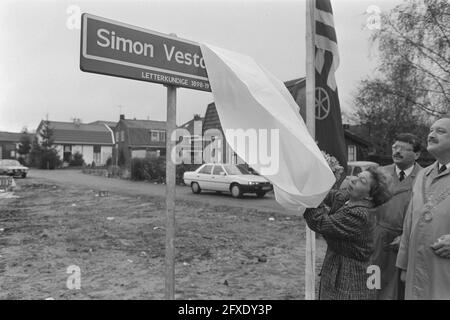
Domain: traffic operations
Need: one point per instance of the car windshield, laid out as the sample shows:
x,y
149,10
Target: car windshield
x,y
243,169
9,163
232,169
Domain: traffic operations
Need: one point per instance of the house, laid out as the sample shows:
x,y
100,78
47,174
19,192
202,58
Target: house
x,y
357,147
193,153
94,141
9,143
138,139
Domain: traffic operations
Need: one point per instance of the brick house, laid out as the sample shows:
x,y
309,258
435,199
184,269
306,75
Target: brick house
x,y
138,139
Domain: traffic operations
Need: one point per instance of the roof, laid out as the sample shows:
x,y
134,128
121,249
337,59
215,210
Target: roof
x,y
145,124
12,136
83,133
353,136
139,132
211,120
189,126
111,124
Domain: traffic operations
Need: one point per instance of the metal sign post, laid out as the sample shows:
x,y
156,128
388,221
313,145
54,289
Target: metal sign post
x,y
169,293
310,258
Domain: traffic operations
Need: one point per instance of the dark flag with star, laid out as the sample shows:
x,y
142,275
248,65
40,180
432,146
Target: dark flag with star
x,y
329,129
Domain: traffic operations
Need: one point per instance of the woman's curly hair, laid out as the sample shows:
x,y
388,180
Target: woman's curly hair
x,y
381,190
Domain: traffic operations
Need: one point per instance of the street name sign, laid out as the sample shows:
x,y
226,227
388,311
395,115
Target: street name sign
x,y
117,49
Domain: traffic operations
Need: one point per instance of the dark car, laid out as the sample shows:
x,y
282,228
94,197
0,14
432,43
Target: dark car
x,y
13,168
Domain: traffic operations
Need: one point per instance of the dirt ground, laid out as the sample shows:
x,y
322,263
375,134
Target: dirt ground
x,y
118,243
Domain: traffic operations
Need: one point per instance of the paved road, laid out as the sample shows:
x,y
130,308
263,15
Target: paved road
x,y
76,177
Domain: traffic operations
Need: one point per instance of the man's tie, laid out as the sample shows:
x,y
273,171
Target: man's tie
x,y
442,169
401,175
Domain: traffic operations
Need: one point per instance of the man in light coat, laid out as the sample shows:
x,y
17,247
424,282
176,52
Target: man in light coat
x,y
390,216
424,253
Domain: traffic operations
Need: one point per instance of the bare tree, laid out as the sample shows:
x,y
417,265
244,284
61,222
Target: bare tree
x,y
412,84
416,35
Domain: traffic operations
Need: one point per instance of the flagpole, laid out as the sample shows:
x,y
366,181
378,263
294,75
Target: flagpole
x,y
311,125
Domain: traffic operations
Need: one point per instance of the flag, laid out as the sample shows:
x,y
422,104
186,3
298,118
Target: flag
x,y
249,98
329,130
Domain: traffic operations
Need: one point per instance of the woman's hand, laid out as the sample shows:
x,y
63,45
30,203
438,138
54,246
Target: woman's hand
x,y
395,244
442,246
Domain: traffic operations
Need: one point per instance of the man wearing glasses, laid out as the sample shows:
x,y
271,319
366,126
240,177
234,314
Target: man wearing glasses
x,y
424,253
390,216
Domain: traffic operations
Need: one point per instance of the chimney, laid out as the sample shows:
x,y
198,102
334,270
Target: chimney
x,y
77,122
122,117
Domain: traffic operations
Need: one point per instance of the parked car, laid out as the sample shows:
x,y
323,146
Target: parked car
x,y
354,168
226,178
13,168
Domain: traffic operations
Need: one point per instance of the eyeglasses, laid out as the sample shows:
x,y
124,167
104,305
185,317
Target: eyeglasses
x,y
401,148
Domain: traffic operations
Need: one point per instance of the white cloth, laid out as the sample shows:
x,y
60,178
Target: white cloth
x,y
248,97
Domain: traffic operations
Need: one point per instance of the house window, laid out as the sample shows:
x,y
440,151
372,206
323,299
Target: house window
x,y
122,133
117,136
351,153
154,135
157,135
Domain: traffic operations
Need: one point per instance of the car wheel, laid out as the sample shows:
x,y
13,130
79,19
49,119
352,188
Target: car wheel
x,y
236,191
260,194
195,188
24,175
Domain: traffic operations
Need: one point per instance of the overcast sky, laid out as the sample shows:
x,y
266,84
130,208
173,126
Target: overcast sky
x,y
39,56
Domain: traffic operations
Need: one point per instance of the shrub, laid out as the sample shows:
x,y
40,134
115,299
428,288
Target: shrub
x,y
149,168
182,168
76,160
154,169
49,159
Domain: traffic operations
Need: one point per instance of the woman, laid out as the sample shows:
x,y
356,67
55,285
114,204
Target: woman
x,y
344,220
